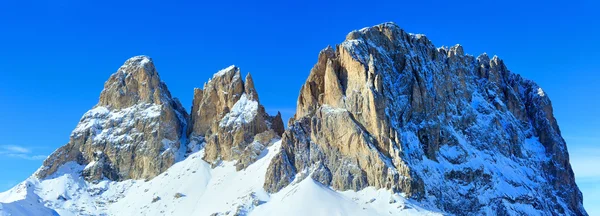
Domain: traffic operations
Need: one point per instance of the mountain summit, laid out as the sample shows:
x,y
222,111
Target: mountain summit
x,y
235,126
385,124
137,130
387,109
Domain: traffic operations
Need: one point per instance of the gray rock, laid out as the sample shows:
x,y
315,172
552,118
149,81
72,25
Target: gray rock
x,y
388,109
134,132
228,115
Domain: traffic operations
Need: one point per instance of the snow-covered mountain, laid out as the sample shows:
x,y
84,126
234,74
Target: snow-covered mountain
x,y
462,134
193,187
386,124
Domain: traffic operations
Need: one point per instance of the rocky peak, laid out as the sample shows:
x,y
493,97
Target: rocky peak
x,y
216,99
388,109
137,81
249,88
135,131
227,115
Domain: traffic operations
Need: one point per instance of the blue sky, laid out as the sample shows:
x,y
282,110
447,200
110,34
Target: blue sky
x,y
56,55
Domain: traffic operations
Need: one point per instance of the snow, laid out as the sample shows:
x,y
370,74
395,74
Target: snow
x,y
145,60
22,201
224,71
242,112
485,139
101,121
417,36
329,109
192,187
482,147
90,165
135,62
540,92
309,197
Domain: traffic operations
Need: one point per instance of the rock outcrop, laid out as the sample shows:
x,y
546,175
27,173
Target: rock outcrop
x,y
227,115
136,131
387,109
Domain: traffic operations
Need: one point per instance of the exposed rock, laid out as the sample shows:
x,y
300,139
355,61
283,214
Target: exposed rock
x,y
178,195
228,115
134,132
387,109
99,168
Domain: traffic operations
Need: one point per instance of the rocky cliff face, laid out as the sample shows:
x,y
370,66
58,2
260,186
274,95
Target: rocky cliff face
x,y
227,115
456,133
459,133
136,131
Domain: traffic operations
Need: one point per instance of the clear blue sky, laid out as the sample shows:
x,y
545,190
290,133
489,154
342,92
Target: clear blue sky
x,y
56,55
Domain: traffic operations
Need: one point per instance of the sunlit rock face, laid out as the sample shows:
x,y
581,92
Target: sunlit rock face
x,y
459,133
228,117
136,131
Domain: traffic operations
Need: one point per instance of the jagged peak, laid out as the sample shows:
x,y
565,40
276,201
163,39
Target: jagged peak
x,y
249,88
327,50
497,60
483,58
229,74
456,50
139,60
357,34
136,62
390,25
227,71
136,81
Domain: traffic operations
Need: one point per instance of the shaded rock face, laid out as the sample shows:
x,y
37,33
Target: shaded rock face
x,y
227,115
465,135
136,131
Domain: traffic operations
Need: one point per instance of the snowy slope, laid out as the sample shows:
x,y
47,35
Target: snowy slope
x,y
192,187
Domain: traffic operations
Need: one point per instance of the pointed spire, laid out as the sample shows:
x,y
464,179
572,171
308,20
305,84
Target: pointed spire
x,y
249,88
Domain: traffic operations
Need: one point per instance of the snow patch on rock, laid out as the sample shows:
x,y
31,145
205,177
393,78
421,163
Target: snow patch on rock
x,y
242,112
98,121
224,71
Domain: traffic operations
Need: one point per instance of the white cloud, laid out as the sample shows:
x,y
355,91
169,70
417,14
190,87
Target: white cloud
x,y
20,152
14,148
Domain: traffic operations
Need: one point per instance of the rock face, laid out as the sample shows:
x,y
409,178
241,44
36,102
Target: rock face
x,y
136,131
461,134
227,115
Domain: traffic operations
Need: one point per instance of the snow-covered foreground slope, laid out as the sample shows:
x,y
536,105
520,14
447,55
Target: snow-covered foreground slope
x,y
192,187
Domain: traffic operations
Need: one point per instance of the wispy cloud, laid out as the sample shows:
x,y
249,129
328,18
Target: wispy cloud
x,y
14,148
20,152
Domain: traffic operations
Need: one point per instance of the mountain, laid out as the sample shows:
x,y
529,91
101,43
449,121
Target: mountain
x,y
462,134
137,130
386,124
228,115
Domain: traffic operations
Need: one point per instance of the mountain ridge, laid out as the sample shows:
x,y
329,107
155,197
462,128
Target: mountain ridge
x,y
387,109
433,128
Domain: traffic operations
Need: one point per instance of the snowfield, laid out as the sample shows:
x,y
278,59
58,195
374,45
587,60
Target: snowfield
x,y
192,187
